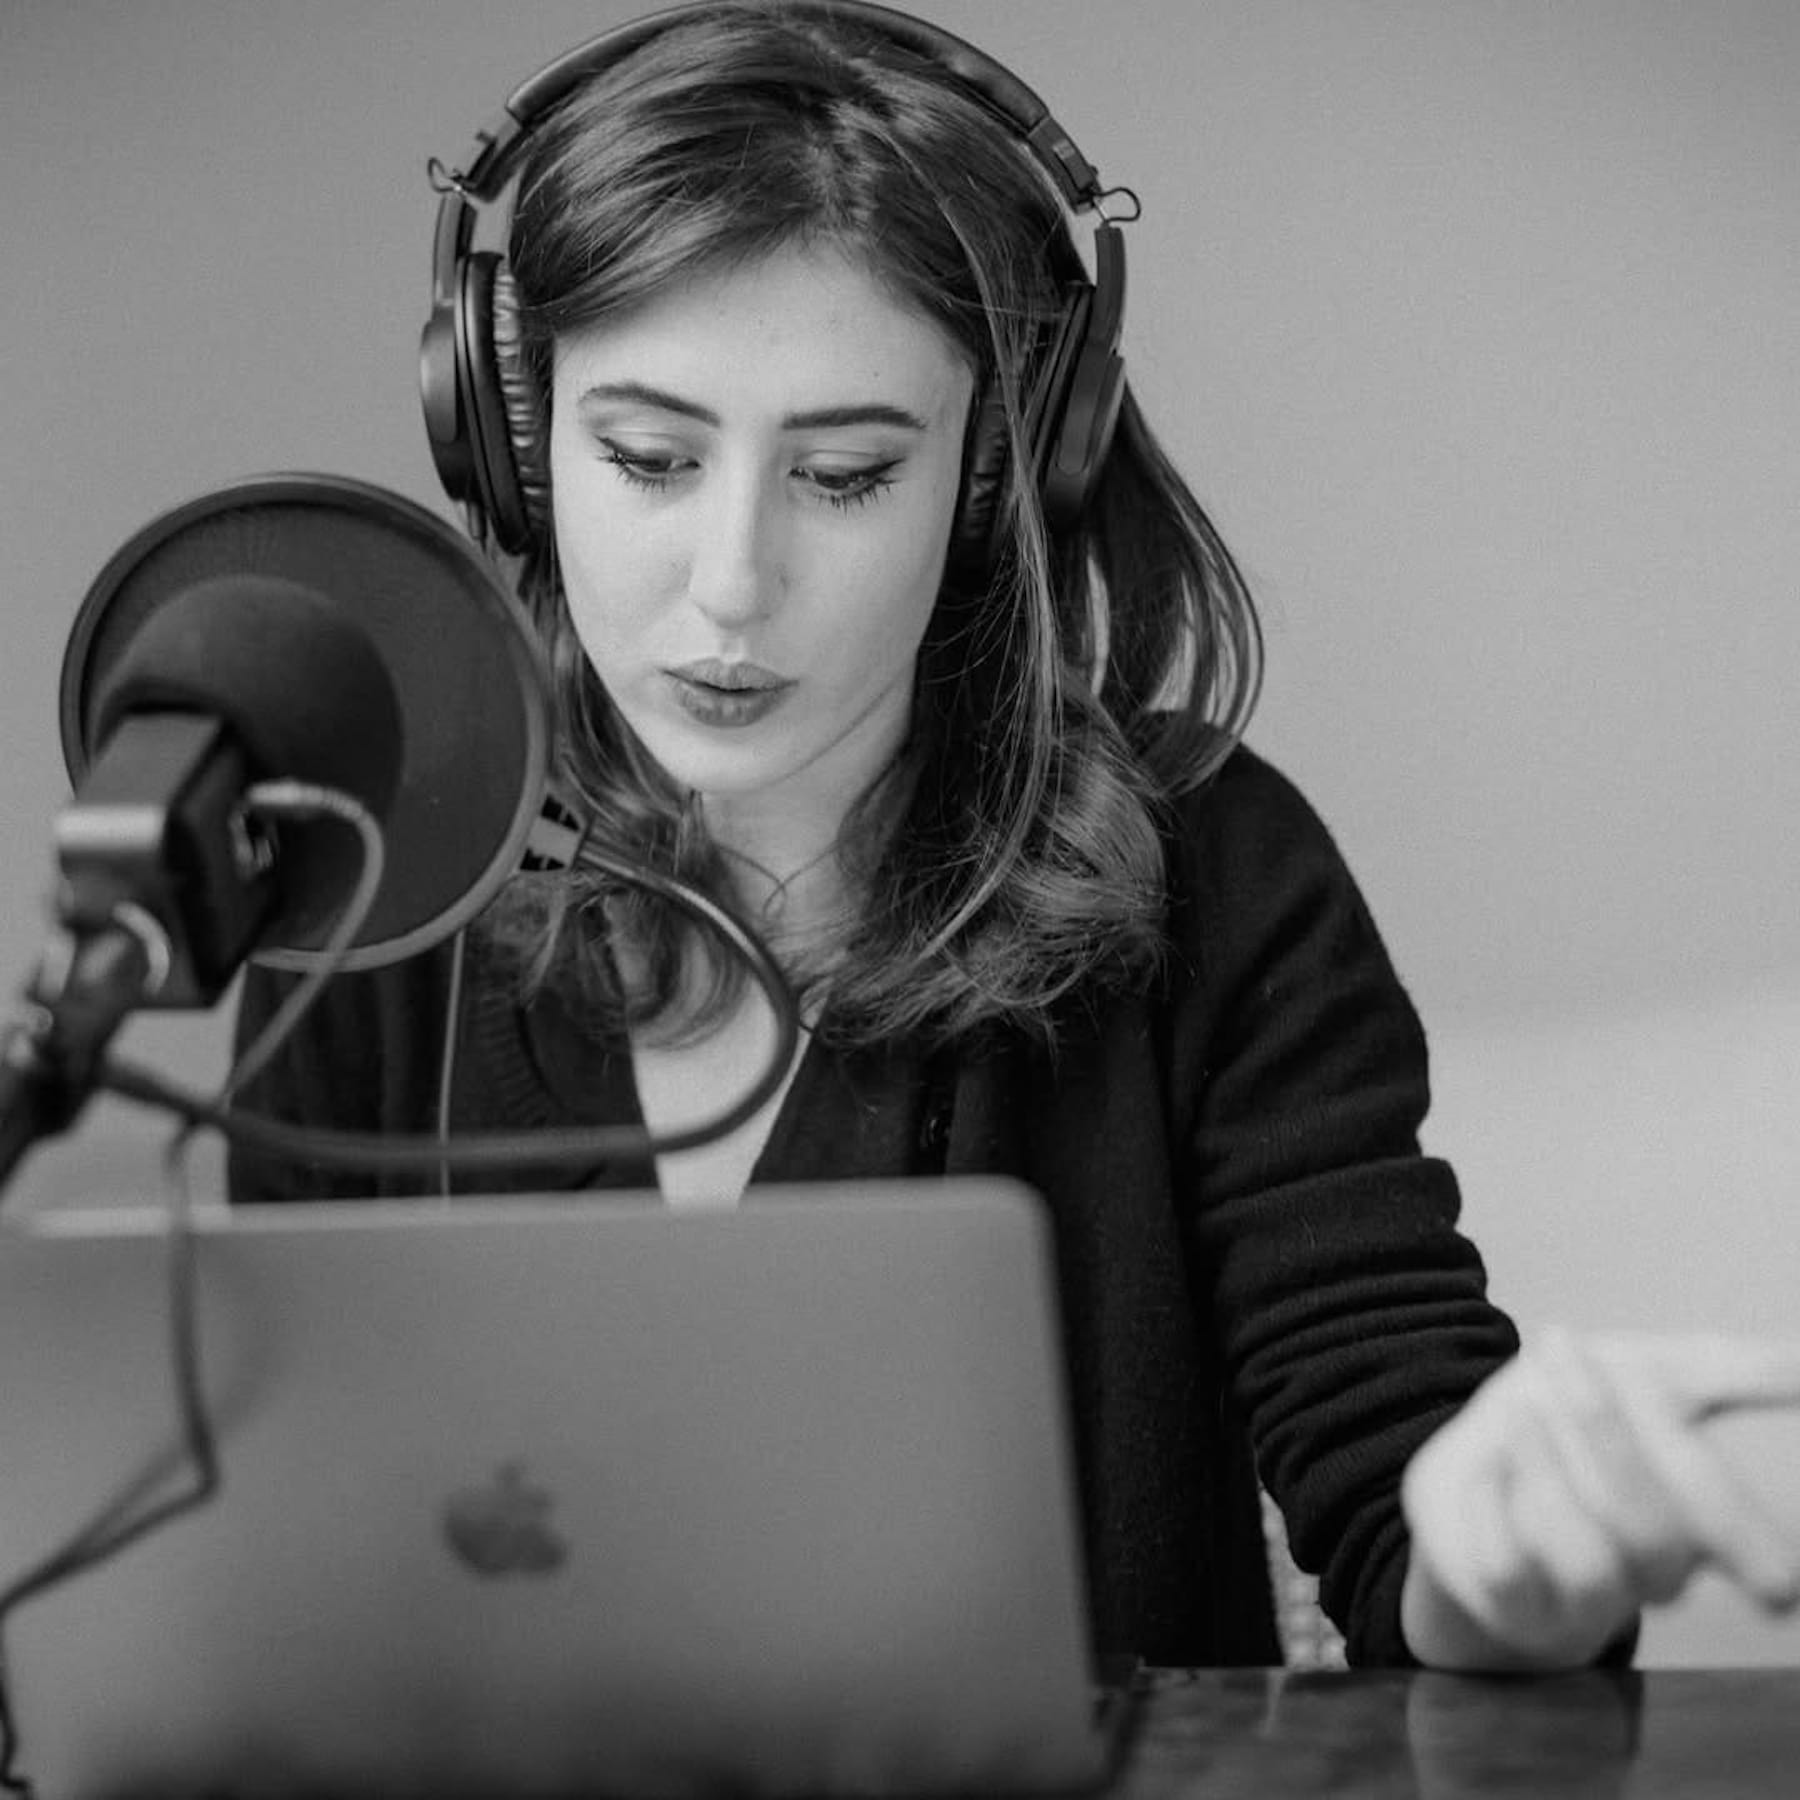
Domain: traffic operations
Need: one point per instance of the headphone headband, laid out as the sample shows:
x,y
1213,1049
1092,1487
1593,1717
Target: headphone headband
x,y
1017,106
463,389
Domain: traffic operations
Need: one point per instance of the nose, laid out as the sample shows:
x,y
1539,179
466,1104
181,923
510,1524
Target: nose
x,y
735,576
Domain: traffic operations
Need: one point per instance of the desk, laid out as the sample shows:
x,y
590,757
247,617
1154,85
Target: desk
x,y
1633,1735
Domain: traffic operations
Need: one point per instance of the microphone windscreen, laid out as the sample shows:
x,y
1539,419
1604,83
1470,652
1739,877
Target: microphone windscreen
x,y
461,661
299,681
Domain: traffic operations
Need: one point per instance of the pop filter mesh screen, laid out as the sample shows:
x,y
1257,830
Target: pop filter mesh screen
x,y
472,703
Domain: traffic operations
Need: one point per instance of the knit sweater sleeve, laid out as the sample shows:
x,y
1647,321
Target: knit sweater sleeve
x,y
1351,1313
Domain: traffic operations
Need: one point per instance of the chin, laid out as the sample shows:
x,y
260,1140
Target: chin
x,y
731,766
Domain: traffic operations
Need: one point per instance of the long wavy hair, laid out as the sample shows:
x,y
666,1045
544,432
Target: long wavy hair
x,y
1011,858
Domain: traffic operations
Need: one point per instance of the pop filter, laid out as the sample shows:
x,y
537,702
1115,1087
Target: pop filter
x,y
463,664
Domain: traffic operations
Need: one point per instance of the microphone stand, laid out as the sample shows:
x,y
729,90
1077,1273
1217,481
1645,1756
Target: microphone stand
x,y
50,1055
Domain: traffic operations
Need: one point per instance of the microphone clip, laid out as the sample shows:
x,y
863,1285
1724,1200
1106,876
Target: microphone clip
x,y
166,881
158,831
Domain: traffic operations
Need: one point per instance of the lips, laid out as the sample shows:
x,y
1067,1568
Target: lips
x,y
727,694
730,677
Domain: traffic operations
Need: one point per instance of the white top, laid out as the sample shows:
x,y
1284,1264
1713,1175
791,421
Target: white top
x,y
679,1084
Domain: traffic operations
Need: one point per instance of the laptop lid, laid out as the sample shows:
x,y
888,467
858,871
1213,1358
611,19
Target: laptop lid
x,y
554,1495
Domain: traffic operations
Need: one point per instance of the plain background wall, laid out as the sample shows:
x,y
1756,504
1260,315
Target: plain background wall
x,y
1474,327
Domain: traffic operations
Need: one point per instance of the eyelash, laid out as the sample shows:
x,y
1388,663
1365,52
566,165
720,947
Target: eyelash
x,y
643,472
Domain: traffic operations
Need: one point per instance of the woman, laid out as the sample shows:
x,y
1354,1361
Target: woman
x,y
874,608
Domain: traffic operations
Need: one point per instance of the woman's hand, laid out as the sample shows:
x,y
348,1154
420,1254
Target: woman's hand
x,y
1577,1486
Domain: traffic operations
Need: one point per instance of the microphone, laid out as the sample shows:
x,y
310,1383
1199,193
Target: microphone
x,y
467,677
289,626
237,678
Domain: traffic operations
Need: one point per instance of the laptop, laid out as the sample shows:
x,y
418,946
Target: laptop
x,y
553,1495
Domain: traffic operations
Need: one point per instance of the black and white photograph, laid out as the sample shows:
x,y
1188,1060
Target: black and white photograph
x,y
900,900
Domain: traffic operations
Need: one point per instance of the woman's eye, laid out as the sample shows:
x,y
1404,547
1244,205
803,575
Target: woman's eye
x,y
656,470
644,468
849,487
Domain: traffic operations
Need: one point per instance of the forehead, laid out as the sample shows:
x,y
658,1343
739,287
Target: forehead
x,y
797,327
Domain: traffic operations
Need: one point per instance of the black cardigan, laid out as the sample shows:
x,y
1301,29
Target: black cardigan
x,y
1261,1278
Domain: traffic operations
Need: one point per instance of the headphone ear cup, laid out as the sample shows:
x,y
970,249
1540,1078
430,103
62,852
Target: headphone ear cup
x,y
988,458
1056,419
1090,388
527,418
1073,457
441,387
490,384
974,538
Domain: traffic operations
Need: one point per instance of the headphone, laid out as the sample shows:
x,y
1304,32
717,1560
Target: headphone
x,y
484,421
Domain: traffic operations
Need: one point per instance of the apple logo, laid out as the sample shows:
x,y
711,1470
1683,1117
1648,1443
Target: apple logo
x,y
503,1527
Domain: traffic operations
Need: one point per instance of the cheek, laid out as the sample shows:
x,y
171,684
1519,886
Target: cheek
x,y
899,572
878,621
601,610
591,538
609,571
919,562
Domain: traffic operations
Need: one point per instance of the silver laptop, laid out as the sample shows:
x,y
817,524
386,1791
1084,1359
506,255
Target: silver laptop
x,y
552,1496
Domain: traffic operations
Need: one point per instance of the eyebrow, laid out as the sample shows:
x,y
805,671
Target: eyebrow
x,y
866,412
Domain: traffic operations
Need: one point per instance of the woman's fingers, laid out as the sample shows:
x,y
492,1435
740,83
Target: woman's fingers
x,y
1500,1531
1578,1485
1723,1521
1709,1373
1457,1497
1604,1460
1586,1587
1624,1415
